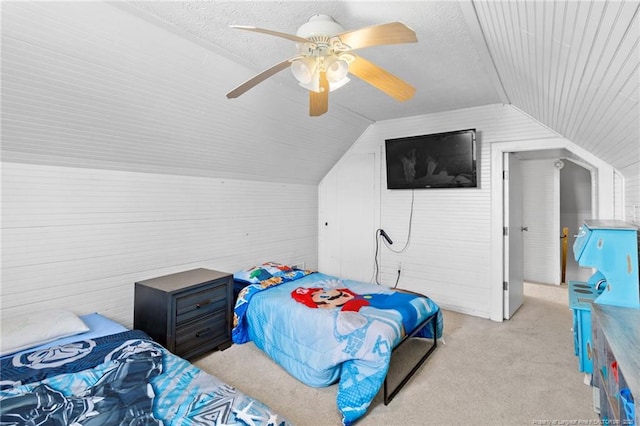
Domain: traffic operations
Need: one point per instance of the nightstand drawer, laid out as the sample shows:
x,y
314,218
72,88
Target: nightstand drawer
x,y
201,303
205,333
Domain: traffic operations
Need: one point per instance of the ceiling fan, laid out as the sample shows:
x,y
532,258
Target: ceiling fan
x,y
325,58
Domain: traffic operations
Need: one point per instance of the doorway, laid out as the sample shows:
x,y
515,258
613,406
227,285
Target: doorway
x,y
535,216
575,207
558,148
556,194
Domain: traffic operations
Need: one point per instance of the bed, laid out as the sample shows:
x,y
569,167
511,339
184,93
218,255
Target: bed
x,y
97,372
322,329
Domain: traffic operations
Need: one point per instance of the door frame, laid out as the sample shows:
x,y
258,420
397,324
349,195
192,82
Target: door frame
x,y
602,203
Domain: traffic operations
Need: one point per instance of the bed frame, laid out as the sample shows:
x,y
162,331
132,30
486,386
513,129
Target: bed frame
x,y
388,396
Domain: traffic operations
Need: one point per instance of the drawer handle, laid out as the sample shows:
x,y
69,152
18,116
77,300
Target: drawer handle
x,y
203,303
203,332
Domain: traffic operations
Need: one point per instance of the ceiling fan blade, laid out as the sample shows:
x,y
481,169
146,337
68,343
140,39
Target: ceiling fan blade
x,y
319,101
271,32
381,79
391,33
260,78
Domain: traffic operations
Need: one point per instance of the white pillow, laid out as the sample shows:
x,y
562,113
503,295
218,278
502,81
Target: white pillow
x,y
33,329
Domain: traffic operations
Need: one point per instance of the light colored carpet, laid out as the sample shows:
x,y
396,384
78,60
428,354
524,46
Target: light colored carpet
x,y
521,371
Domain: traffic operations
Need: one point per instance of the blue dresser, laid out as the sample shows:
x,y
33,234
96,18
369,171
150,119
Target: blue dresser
x,y
611,248
581,297
606,310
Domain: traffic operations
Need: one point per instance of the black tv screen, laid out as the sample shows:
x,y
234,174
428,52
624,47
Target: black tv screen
x,y
440,160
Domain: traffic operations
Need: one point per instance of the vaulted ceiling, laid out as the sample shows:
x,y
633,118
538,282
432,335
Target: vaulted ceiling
x,y
444,66
571,65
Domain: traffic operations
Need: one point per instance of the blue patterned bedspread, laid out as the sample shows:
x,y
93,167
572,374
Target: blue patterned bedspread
x,y
121,379
322,329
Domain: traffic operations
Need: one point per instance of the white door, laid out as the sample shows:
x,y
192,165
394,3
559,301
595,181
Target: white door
x,y
328,232
356,207
541,214
513,245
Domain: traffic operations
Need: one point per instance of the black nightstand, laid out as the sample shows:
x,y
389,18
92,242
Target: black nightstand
x,y
189,313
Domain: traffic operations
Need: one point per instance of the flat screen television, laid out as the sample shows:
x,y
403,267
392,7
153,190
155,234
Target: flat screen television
x,y
440,160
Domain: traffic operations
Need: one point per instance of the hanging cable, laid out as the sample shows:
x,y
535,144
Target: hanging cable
x,y
406,245
397,279
380,232
376,269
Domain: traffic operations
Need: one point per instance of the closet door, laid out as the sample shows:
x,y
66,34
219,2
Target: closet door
x,y
356,207
328,229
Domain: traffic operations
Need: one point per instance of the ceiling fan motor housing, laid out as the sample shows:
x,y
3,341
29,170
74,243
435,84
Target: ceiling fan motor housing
x,y
319,26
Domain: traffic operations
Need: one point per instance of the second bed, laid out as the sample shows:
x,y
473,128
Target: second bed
x,y
323,329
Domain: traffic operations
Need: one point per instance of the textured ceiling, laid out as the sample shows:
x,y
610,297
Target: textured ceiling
x,y
571,65
444,66
142,85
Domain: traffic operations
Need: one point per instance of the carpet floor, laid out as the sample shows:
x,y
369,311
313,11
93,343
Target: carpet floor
x,y
519,372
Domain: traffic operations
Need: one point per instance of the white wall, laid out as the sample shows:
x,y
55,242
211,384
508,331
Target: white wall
x,y
449,255
79,238
456,243
631,200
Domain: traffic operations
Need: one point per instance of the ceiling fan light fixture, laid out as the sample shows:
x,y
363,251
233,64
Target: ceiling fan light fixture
x,y
338,84
307,72
314,84
337,69
304,69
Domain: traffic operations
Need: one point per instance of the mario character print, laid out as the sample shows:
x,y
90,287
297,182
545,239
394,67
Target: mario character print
x,y
348,301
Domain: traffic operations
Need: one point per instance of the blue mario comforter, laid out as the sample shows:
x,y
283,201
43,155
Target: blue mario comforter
x,y
322,329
